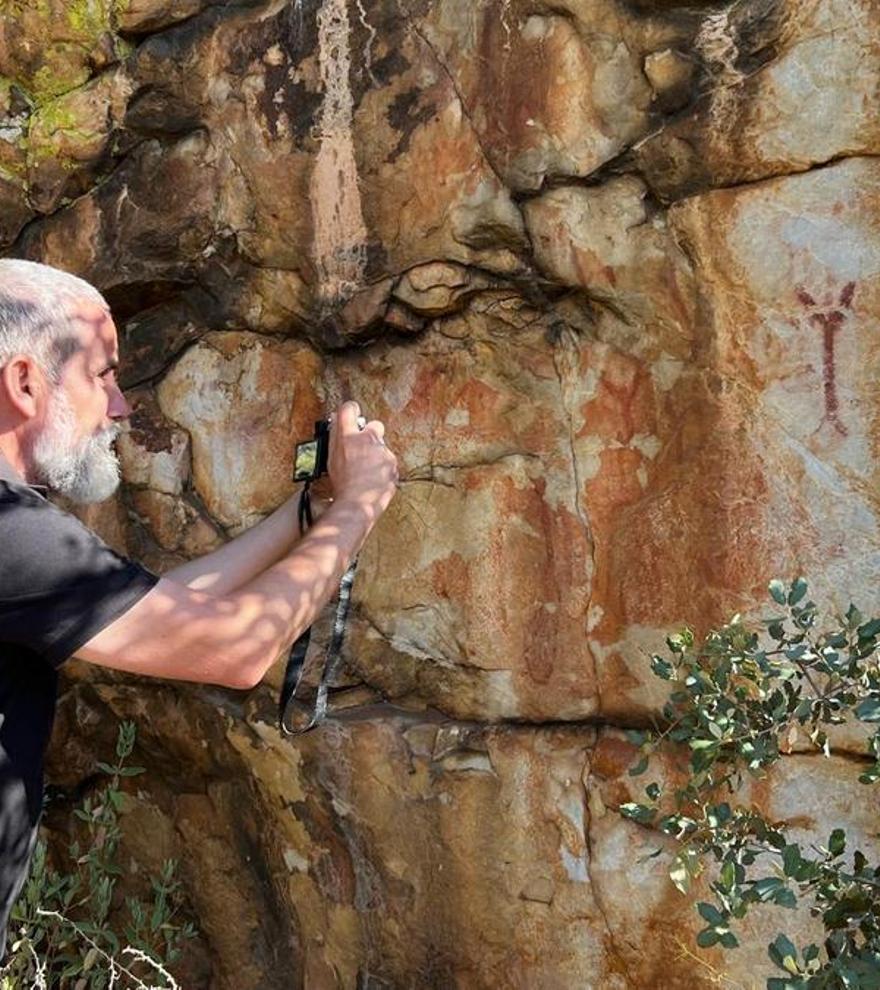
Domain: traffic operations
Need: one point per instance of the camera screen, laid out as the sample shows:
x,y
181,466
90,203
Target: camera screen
x,y
306,460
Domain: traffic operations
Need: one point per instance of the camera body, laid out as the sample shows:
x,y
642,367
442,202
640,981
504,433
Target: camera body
x,y
310,459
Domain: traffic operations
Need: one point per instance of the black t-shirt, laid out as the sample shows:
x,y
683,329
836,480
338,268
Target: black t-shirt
x,y
59,587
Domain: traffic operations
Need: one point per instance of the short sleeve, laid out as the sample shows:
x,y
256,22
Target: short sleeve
x,y
60,585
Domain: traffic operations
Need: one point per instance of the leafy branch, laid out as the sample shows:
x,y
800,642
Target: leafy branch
x,y
62,927
737,701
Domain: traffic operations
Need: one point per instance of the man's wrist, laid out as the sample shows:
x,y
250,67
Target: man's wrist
x,y
349,504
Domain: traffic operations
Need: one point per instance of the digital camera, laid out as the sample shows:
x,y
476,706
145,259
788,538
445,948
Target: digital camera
x,y
310,459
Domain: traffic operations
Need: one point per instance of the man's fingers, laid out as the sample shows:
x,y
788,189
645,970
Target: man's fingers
x,y
377,428
347,417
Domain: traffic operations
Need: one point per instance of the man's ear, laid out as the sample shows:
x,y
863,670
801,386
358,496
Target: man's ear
x,y
24,384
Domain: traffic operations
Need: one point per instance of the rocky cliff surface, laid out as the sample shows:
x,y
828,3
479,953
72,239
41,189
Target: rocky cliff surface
x,y
610,272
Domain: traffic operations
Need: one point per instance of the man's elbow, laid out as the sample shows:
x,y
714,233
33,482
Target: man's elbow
x,y
250,645
241,678
242,670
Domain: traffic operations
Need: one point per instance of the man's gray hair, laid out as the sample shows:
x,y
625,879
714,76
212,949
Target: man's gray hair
x,y
37,305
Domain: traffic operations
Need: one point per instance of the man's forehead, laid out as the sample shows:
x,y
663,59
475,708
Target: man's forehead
x,y
95,327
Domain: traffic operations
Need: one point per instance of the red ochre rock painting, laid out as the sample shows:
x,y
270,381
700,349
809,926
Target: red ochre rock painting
x,y
830,318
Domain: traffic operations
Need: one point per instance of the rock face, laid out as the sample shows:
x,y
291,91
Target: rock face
x,y
610,273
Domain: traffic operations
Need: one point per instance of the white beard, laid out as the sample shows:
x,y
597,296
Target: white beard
x,y
84,470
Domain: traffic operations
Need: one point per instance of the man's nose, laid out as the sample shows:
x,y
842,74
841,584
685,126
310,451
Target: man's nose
x,y
118,408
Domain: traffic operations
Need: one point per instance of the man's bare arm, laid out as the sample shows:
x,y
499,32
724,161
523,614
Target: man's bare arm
x,y
232,639
241,559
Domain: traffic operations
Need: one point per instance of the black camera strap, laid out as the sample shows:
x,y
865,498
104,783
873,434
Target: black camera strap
x,y
296,661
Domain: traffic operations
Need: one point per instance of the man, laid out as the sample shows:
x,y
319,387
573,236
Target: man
x,y
223,619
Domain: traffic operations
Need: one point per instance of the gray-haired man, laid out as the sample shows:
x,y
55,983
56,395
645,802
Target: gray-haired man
x,y
222,619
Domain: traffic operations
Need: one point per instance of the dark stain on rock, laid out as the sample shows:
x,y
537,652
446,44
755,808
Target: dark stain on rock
x,y
171,45
293,98
381,29
756,29
390,66
680,161
127,300
157,111
377,260
294,30
307,103
405,116
152,339
148,427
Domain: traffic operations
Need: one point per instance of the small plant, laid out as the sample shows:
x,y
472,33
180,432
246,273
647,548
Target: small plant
x,y
61,932
737,700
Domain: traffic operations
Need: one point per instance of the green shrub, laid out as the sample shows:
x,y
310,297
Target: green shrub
x,y
736,701
62,932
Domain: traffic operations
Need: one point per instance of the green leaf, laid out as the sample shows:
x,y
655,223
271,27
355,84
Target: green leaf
x,y
868,710
637,812
639,768
798,590
853,617
707,938
777,591
837,842
703,743
869,629
767,887
783,953
662,668
785,897
728,875
710,913
684,868
791,860
681,641
653,791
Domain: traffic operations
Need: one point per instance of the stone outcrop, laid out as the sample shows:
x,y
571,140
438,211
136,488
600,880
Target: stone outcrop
x,y
609,271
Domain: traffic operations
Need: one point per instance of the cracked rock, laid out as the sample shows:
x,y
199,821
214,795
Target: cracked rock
x,y
670,74
438,288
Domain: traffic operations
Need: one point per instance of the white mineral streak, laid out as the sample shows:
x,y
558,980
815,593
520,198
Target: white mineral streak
x,y
505,23
716,43
340,235
371,37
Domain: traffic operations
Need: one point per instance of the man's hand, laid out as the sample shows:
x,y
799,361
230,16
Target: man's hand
x,y
362,469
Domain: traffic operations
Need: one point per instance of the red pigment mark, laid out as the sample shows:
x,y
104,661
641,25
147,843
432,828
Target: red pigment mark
x,y
830,320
